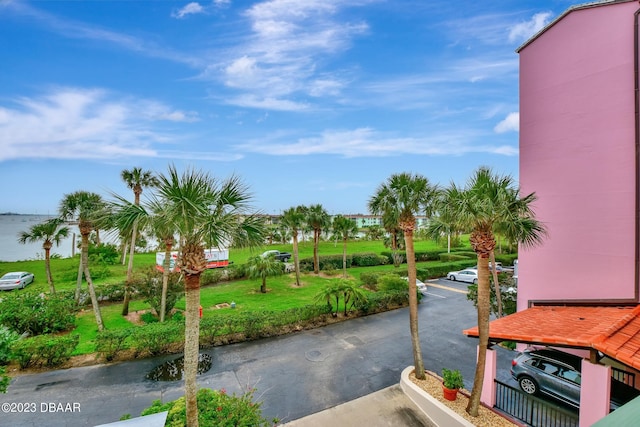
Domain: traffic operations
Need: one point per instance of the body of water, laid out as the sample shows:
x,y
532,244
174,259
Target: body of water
x,y
11,250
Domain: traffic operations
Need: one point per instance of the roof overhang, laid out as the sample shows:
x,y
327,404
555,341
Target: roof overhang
x,y
614,331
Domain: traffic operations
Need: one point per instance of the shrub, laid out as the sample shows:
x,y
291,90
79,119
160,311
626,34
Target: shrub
x,y
149,286
7,338
211,277
110,341
236,272
508,292
37,314
103,254
4,380
215,408
452,257
156,338
326,262
369,279
44,350
392,282
368,259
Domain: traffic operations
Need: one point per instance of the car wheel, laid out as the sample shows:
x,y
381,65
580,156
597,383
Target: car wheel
x,y
475,281
528,385
452,277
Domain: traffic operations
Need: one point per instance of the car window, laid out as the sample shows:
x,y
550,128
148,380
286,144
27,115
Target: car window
x,y
570,375
10,276
548,367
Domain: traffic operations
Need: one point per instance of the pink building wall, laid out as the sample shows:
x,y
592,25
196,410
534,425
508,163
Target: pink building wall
x,y
577,152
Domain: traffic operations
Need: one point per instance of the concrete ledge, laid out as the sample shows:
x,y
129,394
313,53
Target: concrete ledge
x,y
437,412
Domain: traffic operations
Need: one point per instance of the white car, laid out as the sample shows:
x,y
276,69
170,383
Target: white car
x,y
420,285
16,280
467,275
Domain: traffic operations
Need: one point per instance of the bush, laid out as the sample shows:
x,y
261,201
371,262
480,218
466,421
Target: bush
x,y
368,259
370,279
149,286
452,257
211,277
508,292
392,282
44,350
110,341
7,338
4,380
156,338
215,408
326,262
103,254
37,314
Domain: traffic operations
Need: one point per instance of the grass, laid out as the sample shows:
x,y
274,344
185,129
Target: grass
x,y
282,292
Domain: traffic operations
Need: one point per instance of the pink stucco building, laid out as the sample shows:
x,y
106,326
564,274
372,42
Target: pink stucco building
x,y
579,152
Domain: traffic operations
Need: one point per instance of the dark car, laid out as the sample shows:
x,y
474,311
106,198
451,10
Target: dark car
x,y
557,374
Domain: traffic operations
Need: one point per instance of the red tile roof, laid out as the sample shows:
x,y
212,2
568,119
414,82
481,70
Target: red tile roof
x,y
615,331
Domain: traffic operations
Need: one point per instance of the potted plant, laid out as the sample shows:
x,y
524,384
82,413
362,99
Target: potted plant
x,y
451,383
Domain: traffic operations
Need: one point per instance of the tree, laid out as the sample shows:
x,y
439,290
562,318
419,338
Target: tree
x,y
373,232
345,229
261,267
293,220
136,179
48,232
318,219
402,196
201,209
84,207
487,203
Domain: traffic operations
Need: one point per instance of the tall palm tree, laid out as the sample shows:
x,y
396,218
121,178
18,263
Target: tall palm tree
x,y
402,196
293,220
83,206
345,229
48,232
203,210
261,267
487,203
317,219
136,179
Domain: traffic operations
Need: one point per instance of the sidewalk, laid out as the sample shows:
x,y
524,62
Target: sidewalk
x,y
387,407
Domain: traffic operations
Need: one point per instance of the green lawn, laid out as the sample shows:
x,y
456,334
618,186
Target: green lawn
x,y
282,292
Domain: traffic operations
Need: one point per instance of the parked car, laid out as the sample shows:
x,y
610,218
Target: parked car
x,y
16,280
557,374
467,275
499,268
280,256
422,287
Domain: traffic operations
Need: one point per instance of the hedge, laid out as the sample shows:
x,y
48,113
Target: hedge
x,y
44,350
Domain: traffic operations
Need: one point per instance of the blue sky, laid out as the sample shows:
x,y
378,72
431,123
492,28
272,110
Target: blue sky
x,y
307,101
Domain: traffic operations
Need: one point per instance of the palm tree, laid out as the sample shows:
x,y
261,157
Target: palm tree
x,y
83,207
402,197
136,179
293,220
261,267
49,232
317,218
203,210
490,202
344,229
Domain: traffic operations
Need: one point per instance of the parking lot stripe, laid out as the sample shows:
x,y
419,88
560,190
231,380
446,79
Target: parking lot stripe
x,y
447,288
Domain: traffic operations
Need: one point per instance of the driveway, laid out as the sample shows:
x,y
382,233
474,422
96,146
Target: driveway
x,y
294,375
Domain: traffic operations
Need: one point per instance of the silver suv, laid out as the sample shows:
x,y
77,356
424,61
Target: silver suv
x,y
557,374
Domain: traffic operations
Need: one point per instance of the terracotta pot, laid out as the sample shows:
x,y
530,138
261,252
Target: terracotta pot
x,y
449,393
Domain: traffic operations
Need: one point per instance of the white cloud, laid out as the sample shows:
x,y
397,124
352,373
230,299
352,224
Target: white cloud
x,y
75,123
366,142
192,8
280,58
510,123
524,30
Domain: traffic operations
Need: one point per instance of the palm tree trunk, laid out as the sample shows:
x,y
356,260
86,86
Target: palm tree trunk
x,y
483,333
296,260
79,279
263,287
166,267
191,346
127,283
344,258
47,266
87,275
413,305
316,261
496,283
